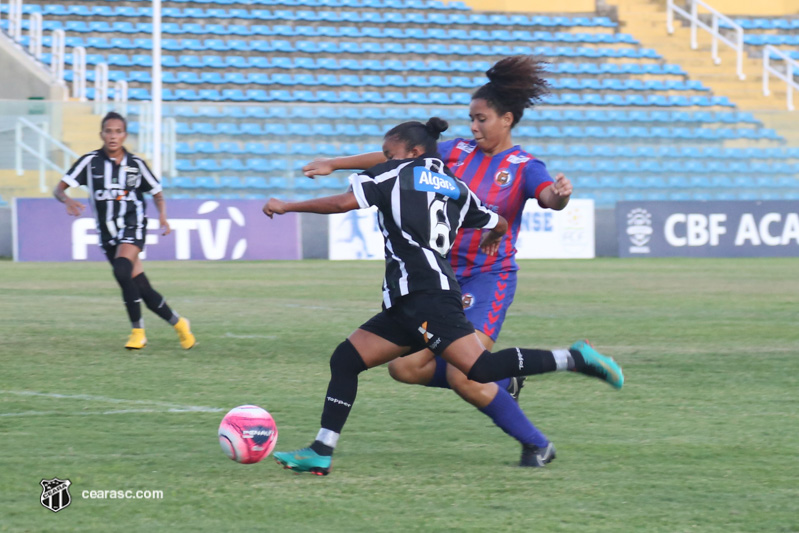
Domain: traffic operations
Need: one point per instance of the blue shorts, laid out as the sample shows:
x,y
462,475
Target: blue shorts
x,y
486,298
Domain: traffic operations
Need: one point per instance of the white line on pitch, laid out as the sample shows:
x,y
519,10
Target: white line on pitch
x,y
234,336
103,413
170,407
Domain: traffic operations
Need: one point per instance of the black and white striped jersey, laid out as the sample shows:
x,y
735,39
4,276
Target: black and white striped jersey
x,y
421,206
116,191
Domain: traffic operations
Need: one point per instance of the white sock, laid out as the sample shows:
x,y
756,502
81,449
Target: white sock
x,y
327,437
562,359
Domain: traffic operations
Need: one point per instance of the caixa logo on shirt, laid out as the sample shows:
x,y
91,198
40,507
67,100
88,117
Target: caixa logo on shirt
x,y
112,194
211,232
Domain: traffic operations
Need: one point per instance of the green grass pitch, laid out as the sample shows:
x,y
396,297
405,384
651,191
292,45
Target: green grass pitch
x,y
704,437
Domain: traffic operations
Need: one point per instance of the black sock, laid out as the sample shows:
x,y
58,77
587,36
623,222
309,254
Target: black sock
x,y
154,301
321,448
577,360
123,269
345,365
511,362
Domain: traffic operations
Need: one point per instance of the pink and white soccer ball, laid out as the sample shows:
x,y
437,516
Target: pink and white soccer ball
x,y
247,434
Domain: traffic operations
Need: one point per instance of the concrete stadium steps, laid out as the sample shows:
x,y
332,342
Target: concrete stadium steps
x,y
80,128
646,20
27,185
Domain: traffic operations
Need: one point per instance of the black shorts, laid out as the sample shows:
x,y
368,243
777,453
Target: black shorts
x,y
425,319
128,235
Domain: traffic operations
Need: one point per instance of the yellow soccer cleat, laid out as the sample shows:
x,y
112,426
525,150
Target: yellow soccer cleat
x,y
183,327
137,340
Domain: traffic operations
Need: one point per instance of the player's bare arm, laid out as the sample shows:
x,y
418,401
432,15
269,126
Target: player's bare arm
x,y
74,207
489,243
323,167
339,203
160,204
557,195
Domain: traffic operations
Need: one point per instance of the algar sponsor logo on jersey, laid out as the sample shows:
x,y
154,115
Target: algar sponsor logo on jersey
x,y
427,180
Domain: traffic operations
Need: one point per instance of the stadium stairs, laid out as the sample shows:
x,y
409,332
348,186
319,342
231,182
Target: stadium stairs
x,y
646,21
78,128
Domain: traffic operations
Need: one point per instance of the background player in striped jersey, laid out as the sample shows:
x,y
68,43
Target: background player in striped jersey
x,y
504,177
421,206
117,181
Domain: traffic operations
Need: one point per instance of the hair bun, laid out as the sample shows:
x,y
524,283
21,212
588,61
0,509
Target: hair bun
x,y
435,126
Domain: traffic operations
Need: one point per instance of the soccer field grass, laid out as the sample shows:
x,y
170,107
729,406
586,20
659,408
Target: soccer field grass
x,y
704,436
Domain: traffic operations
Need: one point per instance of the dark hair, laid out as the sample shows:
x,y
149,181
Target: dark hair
x,y
113,115
514,84
415,133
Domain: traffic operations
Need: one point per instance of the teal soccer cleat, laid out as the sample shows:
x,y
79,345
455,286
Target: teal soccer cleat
x,y
305,460
598,365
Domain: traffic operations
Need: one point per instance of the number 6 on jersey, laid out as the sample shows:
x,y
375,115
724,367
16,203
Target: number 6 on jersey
x,y
439,226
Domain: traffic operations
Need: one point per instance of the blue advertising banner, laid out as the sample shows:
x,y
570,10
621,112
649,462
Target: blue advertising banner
x,y
708,229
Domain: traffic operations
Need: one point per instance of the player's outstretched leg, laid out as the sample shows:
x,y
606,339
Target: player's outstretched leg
x,y
581,357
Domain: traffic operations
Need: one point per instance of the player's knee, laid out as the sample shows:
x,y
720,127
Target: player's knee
x,y
123,269
346,359
482,370
401,371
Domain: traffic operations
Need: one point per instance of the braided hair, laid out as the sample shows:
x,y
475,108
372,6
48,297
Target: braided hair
x,y
515,83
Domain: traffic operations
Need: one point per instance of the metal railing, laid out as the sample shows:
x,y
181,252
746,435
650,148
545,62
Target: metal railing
x,y
169,152
44,142
35,33
100,88
58,50
79,73
791,67
168,140
713,29
121,96
15,19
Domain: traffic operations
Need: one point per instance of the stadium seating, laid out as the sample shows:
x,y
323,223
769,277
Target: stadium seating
x,y
257,88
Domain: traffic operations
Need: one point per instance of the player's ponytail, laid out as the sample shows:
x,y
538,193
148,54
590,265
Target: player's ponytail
x,y
417,134
514,84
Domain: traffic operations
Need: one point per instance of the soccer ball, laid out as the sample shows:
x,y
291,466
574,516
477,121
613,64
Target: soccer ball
x,y
247,434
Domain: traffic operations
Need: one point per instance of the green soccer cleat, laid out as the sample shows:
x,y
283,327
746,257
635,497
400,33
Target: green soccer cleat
x,y
598,365
305,460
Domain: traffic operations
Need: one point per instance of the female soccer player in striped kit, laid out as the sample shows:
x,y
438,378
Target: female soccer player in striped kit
x,y
504,177
117,181
421,207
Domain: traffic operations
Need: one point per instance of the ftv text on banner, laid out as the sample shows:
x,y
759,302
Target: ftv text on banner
x,y
543,233
708,229
548,234
201,230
